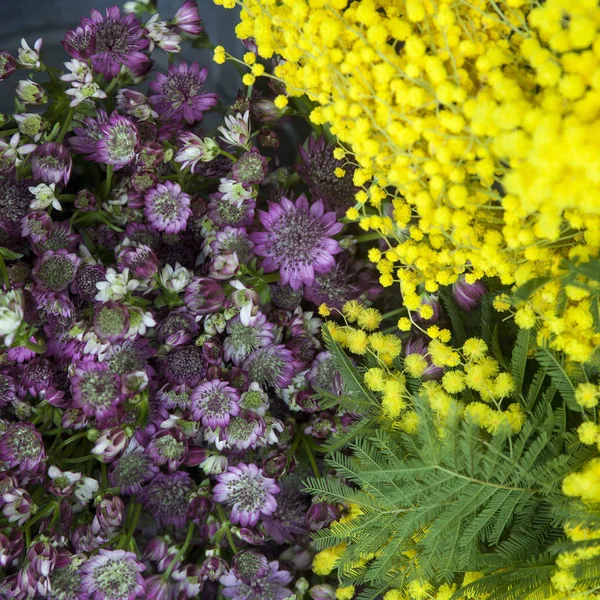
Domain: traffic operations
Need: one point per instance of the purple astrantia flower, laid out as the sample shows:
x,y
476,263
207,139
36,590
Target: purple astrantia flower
x,y
55,270
86,279
110,444
117,143
167,208
243,432
248,492
233,204
17,506
15,199
324,376
85,138
139,258
468,295
233,239
66,579
168,447
272,365
109,42
195,150
178,94
269,587
130,356
110,514
297,240
111,321
203,296
7,388
288,520
249,565
37,376
132,469
214,402
21,447
51,163
317,170
95,389
334,288
8,64
185,366
321,514
36,226
11,548
114,575
177,329
166,498
242,339
250,168
187,19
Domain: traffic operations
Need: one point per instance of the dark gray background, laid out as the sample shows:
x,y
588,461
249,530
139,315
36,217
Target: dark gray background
x,y
50,19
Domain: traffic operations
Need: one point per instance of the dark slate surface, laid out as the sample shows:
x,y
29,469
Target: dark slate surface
x,y
49,19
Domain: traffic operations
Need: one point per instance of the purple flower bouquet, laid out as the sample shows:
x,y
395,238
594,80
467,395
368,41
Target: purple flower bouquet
x,y
160,347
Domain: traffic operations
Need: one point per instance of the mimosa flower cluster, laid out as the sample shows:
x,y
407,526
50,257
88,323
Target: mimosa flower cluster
x,y
469,131
160,342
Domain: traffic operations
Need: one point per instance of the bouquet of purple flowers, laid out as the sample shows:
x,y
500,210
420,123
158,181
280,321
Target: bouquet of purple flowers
x,y
160,343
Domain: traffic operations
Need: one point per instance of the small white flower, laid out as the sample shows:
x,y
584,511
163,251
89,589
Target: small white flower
x,y
30,124
30,57
94,346
11,152
176,279
246,300
78,71
139,321
86,489
196,149
160,34
82,90
215,324
115,286
236,130
274,427
11,315
233,191
63,479
44,197
214,464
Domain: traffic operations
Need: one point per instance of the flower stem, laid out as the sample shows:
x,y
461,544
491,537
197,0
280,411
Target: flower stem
x,y
108,182
226,525
37,347
311,457
137,511
182,551
392,313
65,125
271,277
367,237
230,156
4,272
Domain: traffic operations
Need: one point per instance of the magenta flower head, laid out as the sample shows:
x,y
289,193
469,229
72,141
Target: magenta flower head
x,y
187,19
297,241
21,447
51,163
271,585
8,64
114,575
178,95
117,143
203,296
248,492
167,208
272,365
214,402
468,295
80,42
109,42
139,258
95,389
85,138
110,514
166,498
111,321
242,339
55,270
185,366
168,447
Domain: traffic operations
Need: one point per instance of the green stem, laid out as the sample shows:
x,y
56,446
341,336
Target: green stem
x,y
228,155
108,182
37,347
4,272
112,85
73,438
8,132
311,457
271,277
367,237
66,124
137,511
226,525
392,313
180,555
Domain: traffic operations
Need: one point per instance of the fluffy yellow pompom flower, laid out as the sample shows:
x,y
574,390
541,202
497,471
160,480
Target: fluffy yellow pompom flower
x,y
474,348
250,58
587,395
280,101
415,364
219,55
525,317
404,324
345,593
502,303
453,382
248,79
352,310
324,562
357,341
588,433
369,319
375,379
324,310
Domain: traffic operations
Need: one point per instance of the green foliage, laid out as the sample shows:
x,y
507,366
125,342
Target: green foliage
x,y
450,498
